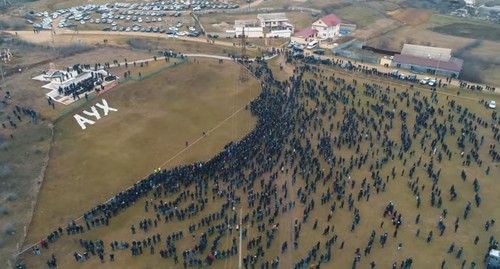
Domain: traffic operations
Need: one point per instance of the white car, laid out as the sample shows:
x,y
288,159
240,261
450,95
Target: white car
x,y
492,105
432,82
425,80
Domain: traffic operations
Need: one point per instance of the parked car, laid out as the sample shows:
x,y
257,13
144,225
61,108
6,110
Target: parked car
x,y
319,52
424,81
492,104
432,82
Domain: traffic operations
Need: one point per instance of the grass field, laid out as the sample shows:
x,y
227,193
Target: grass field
x,y
360,15
154,124
475,31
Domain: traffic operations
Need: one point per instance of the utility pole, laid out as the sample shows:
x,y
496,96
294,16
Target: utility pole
x,y
241,239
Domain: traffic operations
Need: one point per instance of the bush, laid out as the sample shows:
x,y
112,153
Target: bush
x,y
10,196
9,228
69,50
137,43
4,170
4,211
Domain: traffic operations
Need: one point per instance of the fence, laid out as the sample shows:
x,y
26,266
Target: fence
x,y
343,50
252,10
150,74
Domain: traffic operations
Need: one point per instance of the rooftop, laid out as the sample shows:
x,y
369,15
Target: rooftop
x,y
442,54
306,33
453,64
272,17
248,23
330,20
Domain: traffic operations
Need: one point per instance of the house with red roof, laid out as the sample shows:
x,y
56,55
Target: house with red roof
x,y
304,36
327,26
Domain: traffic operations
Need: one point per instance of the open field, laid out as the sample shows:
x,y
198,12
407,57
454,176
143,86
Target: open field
x,y
467,30
370,208
362,16
154,124
411,16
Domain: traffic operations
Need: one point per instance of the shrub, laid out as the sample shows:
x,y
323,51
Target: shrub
x,y
9,228
10,196
137,43
4,170
3,211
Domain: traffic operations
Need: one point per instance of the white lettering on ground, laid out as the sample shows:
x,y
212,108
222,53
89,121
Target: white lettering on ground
x,y
82,121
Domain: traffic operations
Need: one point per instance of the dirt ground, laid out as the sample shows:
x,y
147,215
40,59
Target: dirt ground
x,y
371,212
153,42
411,16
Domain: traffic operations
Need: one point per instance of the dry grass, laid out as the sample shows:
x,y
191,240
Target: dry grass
x,y
154,123
362,16
411,16
424,255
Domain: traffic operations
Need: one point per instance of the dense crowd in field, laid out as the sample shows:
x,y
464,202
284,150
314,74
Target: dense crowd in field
x,y
319,138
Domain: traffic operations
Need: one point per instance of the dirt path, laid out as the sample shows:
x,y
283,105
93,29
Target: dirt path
x,y
46,37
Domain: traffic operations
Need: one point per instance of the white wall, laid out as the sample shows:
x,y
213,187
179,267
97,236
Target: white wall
x,y
251,32
280,33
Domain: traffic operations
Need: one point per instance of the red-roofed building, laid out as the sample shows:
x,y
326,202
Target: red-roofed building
x,y
327,26
303,36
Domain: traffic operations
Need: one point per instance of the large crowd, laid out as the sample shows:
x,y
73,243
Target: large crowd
x,y
319,137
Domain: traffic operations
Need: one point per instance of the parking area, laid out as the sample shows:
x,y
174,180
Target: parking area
x,y
161,17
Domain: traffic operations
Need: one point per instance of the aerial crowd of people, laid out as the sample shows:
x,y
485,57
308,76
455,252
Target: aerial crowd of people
x,y
316,137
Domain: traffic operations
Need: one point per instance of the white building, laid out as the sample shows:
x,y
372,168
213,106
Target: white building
x,y
252,28
327,26
276,25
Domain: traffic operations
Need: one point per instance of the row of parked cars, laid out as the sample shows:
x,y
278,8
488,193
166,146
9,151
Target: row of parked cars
x,y
428,81
174,31
175,5
129,11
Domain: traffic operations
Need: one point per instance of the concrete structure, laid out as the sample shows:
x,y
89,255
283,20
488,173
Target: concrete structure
x,y
305,36
431,60
385,61
267,25
64,78
442,54
274,21
327,26
252,28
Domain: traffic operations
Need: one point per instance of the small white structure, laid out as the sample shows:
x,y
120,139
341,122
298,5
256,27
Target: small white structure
x,y
64,78
276,25
267,25
252,28
272,20
327,26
